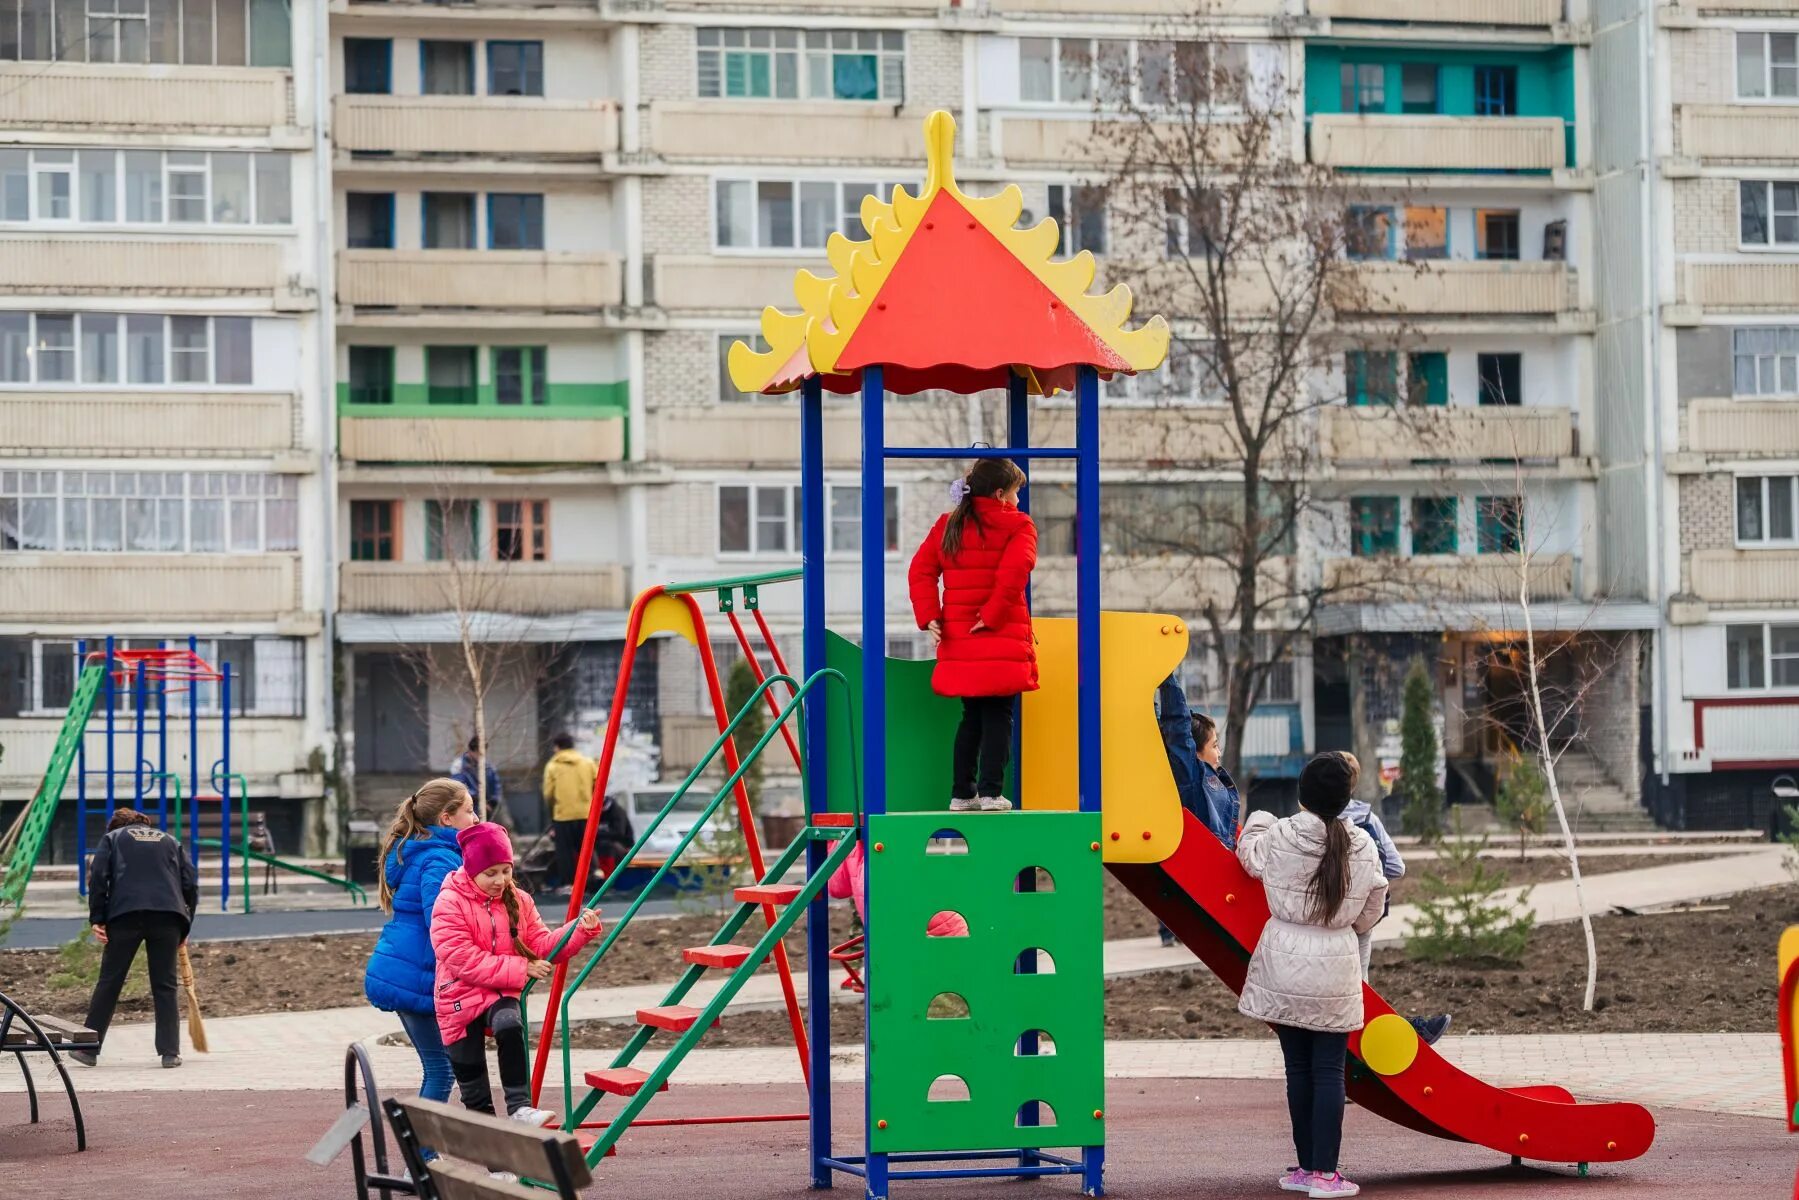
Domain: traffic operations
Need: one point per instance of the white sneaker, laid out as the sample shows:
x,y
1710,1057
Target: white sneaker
x,y
994,804
540,1117
503,1176
964,804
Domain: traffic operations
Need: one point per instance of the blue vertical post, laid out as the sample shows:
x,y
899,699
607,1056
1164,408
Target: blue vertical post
x,y
162,749
1018,436
81,784
140,710
224,783
1086,487
111,704
874,696
816,714
193,761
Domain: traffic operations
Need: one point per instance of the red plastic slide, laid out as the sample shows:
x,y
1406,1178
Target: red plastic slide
x,y
1204,895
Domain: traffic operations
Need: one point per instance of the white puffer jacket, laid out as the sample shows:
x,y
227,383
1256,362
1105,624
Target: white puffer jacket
x,y
1303,973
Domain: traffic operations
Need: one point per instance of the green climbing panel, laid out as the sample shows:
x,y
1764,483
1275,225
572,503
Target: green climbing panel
x,y
915,1038
36,829
921,729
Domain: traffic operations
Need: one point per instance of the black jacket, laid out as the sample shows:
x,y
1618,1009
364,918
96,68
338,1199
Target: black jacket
x,y
140,869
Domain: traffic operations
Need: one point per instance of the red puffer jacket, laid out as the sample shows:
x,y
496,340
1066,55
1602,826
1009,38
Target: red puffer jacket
x,y
985,581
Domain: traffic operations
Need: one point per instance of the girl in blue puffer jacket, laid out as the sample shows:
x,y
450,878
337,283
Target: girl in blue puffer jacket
x,y
418,853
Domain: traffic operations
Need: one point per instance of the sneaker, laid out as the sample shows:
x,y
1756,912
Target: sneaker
x,y
1327,1187
540,1117
171,1061
964,804
1432,1028
1168,941
86,1058
1297,1179
502,1176
994,804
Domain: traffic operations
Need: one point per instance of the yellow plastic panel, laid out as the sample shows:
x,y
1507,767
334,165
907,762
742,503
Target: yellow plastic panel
x,y
667,614
1137,651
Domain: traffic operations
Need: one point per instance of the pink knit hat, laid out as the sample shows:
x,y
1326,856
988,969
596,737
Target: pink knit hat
x,y
484,845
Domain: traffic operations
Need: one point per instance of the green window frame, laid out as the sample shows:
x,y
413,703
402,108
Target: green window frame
x,y
1434,524
521,376
1371,377
371,374
1427,378
1499,524
452,375
1373,526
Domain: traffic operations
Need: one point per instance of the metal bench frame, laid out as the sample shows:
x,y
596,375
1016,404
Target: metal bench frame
x,y
41,1043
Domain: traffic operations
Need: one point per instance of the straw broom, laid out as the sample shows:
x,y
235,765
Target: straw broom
x,y
196,1028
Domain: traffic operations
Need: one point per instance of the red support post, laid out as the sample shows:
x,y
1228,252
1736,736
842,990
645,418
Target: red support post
x,y
774,705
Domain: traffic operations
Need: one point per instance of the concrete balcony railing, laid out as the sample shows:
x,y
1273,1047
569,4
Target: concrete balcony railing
x,y
265,746
1056,141
1739,133
1421,580
138,423
1167,583
1747,285
1134,8
832,132
1764,428
478,279
189,100
766,433
1380,434
725,283
527,588
172,587
1745,576
515,126
1465,288
1443,12
506,439
1176,434
1428,143
79,266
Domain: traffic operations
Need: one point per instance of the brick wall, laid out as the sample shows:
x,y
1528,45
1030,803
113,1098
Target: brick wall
x,y
677,215
1707,518
682,520
933,71
667,69
1703,66
1705,216
1610,720
680,368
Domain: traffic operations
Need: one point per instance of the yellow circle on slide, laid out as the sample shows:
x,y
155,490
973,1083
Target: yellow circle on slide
x,y
1389,1044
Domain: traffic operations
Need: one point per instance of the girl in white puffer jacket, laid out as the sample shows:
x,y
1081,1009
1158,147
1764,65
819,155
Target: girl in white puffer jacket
x,y
1324,883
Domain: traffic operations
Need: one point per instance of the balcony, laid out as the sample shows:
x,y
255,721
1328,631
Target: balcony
x,y
1745,576
525,588
1443,12
1746,730
1379,434
1427,143
465,125
1421,580
1058,141
262,747
1745,285
1469,288
505,436
766,433
147,423
704,281
478,279
1749,427
151,587
1178,584
1134,8
1175,434
1738,133
81,266
125,99
840,133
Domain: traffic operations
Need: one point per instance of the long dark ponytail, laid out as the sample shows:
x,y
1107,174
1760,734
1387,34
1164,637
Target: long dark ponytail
x,y
1330,882
1324,790
990,477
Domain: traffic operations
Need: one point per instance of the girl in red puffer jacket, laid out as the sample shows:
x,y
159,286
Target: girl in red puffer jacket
x,y
982,552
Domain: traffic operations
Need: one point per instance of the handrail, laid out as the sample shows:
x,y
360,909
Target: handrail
x,y
698,824
243,818
735,581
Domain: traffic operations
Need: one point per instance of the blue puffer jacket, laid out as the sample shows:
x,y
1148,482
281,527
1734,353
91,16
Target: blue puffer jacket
x,y
402,972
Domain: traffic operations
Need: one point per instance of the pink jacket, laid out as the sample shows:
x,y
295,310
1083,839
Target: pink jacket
x,y
477,963
847,881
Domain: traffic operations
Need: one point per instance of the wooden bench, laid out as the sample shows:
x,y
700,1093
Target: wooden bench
x,y
472,1146
22,1033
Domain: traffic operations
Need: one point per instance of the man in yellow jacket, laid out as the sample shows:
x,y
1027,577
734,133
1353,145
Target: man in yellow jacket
x,y
568,790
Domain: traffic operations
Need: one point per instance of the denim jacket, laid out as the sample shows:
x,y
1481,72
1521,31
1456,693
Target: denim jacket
x,y
1205,791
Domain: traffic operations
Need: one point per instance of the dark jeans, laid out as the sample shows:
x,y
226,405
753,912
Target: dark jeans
x,y
161,934
983,744
468,1059
567,836
1315,1094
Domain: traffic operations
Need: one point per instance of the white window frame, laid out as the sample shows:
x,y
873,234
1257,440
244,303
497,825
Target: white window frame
x,y
66,487
1133,54
808,46
1063,196
1766,502
1766,94
292,664
1767,686
36,168
1773,244
1151,390
124,382
849,223
791,489
1777,358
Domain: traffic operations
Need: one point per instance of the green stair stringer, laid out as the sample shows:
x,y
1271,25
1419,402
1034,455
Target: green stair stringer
x,y
36,829
790,916
909,973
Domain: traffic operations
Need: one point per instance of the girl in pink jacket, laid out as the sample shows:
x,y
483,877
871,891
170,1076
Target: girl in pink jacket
x,y
489,940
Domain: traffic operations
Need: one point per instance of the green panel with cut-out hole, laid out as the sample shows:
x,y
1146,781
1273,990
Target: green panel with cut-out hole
x,y
910,880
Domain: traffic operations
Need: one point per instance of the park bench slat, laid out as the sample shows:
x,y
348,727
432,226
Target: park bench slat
x,y
495,1143
59,1030
459,1181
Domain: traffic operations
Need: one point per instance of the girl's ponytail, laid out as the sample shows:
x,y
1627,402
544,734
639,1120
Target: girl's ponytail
x,y
414,819
1330,882
509,898
989,477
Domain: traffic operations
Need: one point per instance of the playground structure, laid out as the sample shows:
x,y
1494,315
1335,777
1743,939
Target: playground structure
x,y
148,677
1787,972
983,1053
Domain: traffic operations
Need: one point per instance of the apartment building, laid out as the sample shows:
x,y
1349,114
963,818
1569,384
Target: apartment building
x,y
162,453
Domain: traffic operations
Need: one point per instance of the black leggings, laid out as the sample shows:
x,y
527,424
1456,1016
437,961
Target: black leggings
x,y
983,744
468,1059
1315,1094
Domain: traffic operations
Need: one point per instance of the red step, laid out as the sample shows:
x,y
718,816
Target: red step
x,y
676,1018
830,820
726,956
768,893
620,1081
587,1137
